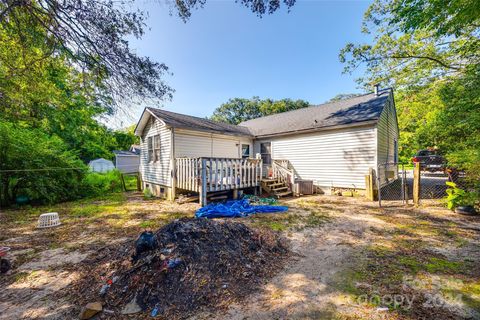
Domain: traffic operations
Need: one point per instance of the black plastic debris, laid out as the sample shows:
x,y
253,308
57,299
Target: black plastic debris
x,y
145,242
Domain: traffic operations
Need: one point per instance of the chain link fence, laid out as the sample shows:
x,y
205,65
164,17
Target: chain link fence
x,y
396,183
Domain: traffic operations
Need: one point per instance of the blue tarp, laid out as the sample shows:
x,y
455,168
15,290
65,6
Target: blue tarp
x,y
235,208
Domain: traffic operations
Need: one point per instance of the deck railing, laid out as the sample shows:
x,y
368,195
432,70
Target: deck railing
x,y
188,173
281,170
205,175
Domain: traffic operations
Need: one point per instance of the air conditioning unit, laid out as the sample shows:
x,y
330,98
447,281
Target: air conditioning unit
x,y
303,187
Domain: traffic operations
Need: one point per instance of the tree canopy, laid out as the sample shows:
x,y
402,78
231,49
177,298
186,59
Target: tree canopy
x,y
344,96
237,110
429,52
92,36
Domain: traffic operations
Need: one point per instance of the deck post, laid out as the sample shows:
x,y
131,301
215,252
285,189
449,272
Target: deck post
x,y
203,187
173,167
139,182
260,177
174,179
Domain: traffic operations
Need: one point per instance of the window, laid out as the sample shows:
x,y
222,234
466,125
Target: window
x,y
265,151
156,147
150,149
245,151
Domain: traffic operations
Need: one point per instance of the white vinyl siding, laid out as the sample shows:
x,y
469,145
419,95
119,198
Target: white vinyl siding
x,y
339,158
387,134
157,172
127,163
198,144
225,148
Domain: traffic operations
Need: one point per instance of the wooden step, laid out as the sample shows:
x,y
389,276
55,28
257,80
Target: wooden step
x,y
283,194
273,185
276,190
269,181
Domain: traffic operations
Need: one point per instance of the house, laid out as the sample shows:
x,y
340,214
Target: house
x,y
128,161
334,145
101,165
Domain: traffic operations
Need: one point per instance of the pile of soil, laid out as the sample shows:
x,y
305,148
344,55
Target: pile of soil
x,y
195,264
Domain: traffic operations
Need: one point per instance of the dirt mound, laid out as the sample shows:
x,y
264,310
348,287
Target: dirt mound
x,y
194,264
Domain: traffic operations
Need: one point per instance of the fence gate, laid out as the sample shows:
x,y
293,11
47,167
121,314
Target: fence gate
x,y
392,183
402,183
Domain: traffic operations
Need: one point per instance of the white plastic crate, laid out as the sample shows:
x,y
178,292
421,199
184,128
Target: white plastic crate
x,y
48,220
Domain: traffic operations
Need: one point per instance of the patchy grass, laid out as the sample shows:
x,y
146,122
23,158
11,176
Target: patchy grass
x,y
438,265
408,252
149,224
86,222
305,215
404,262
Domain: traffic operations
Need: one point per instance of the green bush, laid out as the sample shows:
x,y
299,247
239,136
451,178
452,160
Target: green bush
x,y
97,184
459,197
37,166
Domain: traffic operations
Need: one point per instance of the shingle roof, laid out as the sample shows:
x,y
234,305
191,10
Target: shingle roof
x,y
362,109
178,120
125,153
355,110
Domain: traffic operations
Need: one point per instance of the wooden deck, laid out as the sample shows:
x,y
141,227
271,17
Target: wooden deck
x,y
208,175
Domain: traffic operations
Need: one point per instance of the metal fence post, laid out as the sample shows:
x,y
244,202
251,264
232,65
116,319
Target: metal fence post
x,y
403,183
379,188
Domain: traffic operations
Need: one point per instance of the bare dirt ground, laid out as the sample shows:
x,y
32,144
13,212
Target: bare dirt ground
x,y
352,260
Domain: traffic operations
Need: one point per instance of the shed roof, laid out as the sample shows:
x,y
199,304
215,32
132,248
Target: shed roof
x,y
362,109
125,153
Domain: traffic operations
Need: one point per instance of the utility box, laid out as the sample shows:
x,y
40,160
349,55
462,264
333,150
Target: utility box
x,y
303,187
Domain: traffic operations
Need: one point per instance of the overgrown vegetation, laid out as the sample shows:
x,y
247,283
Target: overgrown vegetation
x,y
43,168
459,197
429,52
63,66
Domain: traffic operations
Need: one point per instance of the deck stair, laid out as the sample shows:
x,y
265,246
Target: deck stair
x,y
276,187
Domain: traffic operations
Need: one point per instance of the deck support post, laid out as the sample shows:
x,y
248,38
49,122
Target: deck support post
x,y
173,189
203,187
173,167
139,182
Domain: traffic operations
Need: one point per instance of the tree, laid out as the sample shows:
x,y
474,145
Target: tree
x,y
344,96
429,52
92,36
260,7
237,110
36,165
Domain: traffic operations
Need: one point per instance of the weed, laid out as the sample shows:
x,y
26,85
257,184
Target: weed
x,y
149,224
437,265
411,263
86,211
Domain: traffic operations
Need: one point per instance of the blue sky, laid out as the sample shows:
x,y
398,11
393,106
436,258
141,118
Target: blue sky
x,y
225,51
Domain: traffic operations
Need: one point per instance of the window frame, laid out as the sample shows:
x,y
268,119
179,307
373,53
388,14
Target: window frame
x,y
149,149
156,148
247,155
266,155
